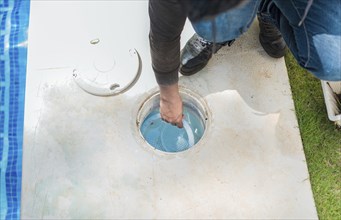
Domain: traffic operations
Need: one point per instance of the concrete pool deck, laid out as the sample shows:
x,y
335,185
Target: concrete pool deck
x,y
83,157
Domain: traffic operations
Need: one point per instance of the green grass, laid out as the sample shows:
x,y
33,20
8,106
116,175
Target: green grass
x,y
321,140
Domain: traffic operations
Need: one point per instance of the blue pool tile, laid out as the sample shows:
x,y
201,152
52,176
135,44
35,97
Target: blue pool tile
x,y
14,17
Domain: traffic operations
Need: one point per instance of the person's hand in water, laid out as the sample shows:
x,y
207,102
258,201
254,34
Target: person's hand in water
x,y
171,105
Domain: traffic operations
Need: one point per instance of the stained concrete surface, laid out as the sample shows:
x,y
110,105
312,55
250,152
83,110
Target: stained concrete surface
x,y
83,157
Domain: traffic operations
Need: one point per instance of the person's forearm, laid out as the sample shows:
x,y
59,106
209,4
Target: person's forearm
x,y
166,23
165,60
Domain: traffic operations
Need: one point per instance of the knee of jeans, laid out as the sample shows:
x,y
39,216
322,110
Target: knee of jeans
x,y
326,59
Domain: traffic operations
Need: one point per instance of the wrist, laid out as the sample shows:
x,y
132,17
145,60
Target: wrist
x,y
169,92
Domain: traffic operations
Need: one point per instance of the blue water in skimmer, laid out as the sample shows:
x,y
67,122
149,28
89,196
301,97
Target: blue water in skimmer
x,y
166,137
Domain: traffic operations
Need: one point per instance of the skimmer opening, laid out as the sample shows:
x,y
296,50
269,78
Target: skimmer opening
x,y
166,137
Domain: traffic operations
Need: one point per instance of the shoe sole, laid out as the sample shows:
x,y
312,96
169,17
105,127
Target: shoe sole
x,y
192,71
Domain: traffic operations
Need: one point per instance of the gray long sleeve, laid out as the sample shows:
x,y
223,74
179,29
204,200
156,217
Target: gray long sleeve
x,y
167,20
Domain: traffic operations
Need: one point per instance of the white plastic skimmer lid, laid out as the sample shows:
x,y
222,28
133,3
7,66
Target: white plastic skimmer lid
x,y
107,70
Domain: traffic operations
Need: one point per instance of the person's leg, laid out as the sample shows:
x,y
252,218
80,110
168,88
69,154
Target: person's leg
x,y
316,42
222,30
229,25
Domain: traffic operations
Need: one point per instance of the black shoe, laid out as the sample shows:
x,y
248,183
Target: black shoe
x,y
196,54
271,38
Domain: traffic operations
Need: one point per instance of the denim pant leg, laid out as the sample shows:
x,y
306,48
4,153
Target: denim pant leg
x,y
316,44
228,25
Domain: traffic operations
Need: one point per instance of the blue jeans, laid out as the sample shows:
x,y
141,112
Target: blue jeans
x,y
316,43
